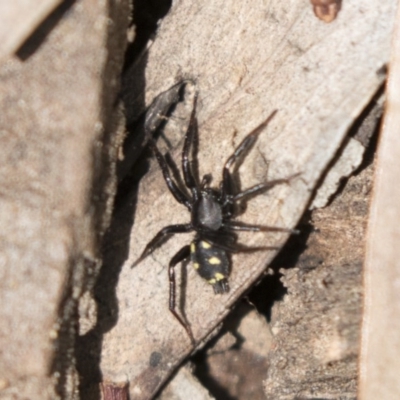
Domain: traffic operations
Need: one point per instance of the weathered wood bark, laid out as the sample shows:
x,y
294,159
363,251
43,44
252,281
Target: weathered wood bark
x,y
317,326
380,350
60,132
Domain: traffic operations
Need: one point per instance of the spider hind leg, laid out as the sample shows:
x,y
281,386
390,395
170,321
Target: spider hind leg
x,y
181,255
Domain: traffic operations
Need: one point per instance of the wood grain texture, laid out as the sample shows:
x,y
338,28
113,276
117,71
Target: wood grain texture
x,y
59,136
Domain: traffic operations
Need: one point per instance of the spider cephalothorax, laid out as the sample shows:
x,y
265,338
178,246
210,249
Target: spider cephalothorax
x,y
212,212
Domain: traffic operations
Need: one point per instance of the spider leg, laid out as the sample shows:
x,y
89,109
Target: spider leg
x,y
160,237
240,248
228,244
238,226
247,142
180,196
262,187
191,133
182,254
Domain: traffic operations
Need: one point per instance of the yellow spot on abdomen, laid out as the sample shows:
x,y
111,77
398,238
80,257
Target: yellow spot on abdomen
x,y
214,261
212,281
219,276
192,247
196,265
205,245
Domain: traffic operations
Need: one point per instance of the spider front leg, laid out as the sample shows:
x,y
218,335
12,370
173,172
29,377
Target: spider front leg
x,y
254,191
191,134
180,196
245,145
158,239
232,226
181,255
262,187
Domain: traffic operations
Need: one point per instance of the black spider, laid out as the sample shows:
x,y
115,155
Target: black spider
x,y
211,213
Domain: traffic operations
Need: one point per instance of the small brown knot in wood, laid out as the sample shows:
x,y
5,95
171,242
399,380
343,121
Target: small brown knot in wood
x,y
326,10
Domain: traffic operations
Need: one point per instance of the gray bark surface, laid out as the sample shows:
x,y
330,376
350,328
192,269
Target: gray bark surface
x,y
59,135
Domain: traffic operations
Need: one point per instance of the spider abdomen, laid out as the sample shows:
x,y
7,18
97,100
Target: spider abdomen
x,y
211,263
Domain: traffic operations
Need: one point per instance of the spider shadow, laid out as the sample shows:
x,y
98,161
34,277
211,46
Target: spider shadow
x,y
115,248
115,251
